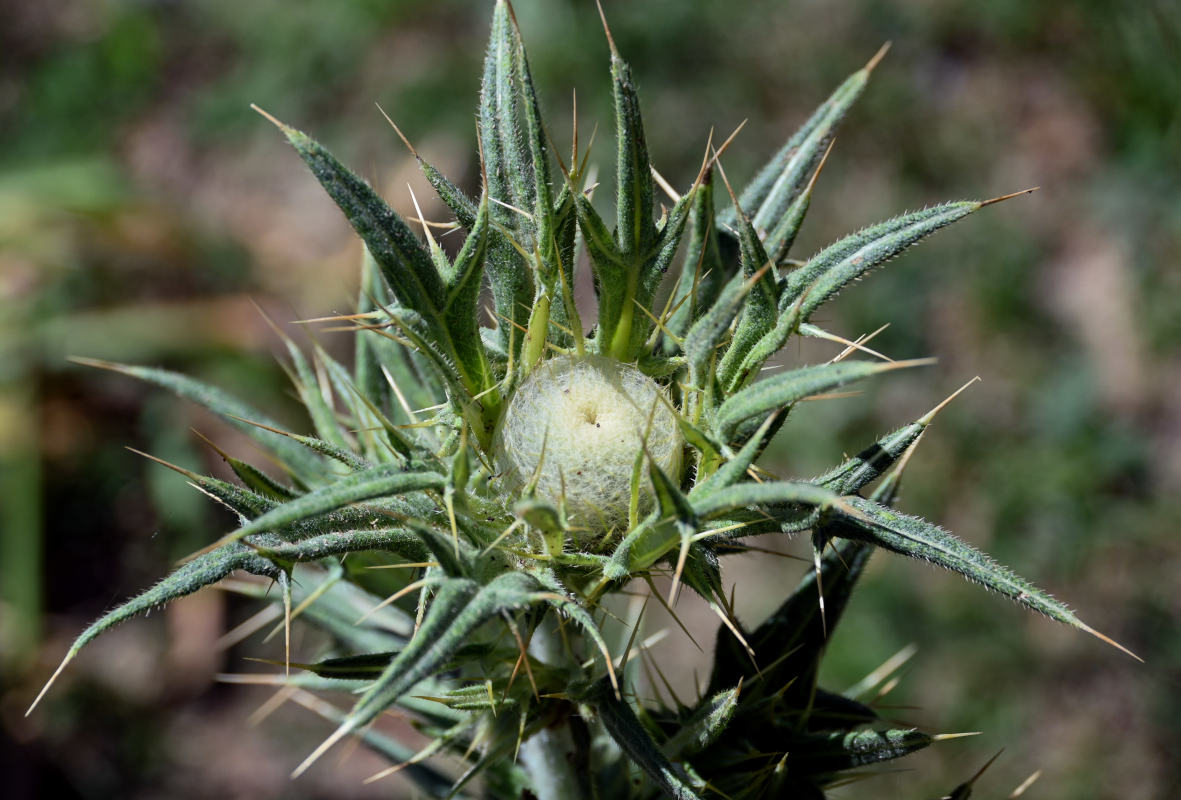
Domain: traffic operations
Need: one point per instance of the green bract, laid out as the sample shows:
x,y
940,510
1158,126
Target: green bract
x,y
525,470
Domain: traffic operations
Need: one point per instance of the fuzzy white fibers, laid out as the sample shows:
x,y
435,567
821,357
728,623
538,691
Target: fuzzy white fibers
x,y
585,419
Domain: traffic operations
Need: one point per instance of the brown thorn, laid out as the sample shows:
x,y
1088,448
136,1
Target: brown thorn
x,y
170,465
607,30
1005,197
930,415
270,118
1108,639
398,131
717,154
877,57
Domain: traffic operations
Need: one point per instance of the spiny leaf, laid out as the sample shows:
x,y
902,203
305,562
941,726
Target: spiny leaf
x,y
186,579
865,467
406,265
452,196
703,273
825,273
508,164
710,329
733,470
544,221
918,538
635,230
459,607
377,482
744,495
247,503
782,179
621,723
255,479
790,387
305,465
704,725
841,750
761,310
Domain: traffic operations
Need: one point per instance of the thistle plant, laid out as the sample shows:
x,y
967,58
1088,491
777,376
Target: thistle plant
x,y
521,467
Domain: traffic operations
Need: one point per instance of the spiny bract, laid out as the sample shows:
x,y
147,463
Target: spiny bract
x,y
627,452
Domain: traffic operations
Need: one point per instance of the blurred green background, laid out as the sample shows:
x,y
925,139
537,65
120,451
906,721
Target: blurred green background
x,y
144,208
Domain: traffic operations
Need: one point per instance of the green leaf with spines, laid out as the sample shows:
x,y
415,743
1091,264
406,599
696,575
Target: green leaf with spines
x,y
408,269
396,540
206,569
788,388
708,332
258,481
620,721
377,482
507,163
544,222
760,312
635,190
841,750
703,725
782,179
703,272
872,522
751,359
306,466
828,271
406,265
245,502
734,470
459,607
746,495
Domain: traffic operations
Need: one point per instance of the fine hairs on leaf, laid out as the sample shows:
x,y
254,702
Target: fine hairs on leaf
x,y
470,503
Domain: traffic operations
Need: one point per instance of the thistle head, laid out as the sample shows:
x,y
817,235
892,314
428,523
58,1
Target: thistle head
x,y
577,430
522,471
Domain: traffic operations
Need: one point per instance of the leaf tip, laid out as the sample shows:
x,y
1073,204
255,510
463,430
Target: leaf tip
x,y
272,119
336,736
398,131
1109,640
930,415
943,737
1009,196
52,679
877,57
607,30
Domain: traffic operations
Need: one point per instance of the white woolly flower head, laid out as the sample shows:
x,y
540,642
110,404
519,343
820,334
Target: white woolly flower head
x,y
584,419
